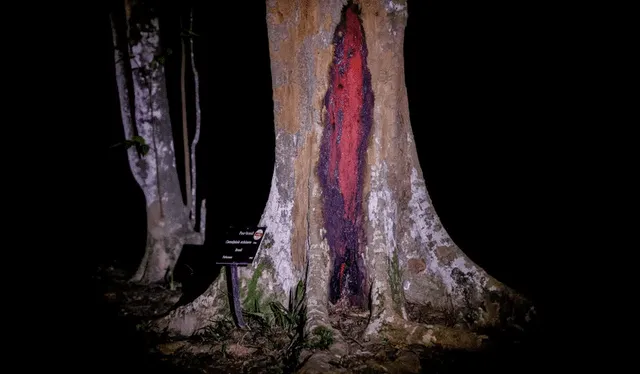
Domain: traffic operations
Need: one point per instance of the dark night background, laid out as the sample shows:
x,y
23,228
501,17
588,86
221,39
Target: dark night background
x,y
488,83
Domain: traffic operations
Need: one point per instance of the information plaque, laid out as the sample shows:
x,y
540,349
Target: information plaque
x,y
240,245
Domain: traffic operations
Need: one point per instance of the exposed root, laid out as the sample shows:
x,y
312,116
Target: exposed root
x,y
338,346
396,330
448,281
189,319
318,320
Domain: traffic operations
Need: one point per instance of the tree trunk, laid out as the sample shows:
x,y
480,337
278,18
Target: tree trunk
x,y
145,112
348,212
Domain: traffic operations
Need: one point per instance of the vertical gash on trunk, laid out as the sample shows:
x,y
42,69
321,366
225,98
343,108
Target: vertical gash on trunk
x,y
347,123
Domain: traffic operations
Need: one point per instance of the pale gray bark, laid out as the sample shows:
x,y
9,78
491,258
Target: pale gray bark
x,y
145,112
196,137
409,255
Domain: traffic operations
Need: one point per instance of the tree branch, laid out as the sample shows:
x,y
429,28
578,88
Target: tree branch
x,y
185,131
123,81
196,138
203,218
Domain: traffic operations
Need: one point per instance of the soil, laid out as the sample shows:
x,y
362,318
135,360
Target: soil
x,y
122,312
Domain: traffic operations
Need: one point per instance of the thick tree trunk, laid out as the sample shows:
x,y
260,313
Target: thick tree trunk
x,y
348,212
145,112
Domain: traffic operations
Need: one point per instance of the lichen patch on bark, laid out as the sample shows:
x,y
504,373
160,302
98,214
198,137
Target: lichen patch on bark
x,y
381,209
277,218
446,254
416,265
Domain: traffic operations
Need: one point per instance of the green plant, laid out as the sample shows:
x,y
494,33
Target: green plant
x,y
137,141
218,330
262,321
321,338
251,302
291,319
223,350
161,59
143,326
266,316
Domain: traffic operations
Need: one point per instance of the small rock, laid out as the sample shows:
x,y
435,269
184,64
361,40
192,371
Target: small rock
x,y
238,350
429,338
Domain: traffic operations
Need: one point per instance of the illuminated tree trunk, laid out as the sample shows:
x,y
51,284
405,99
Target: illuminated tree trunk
x,y
348,212
145,113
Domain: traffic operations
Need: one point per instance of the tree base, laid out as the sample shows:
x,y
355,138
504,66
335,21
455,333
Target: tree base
x,y
339,341
192,318
390,344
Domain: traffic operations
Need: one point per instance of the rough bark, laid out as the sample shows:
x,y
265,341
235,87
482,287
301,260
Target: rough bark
x,y
144,106
341,189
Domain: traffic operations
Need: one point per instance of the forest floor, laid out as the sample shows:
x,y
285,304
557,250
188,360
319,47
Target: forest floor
x,y
122,311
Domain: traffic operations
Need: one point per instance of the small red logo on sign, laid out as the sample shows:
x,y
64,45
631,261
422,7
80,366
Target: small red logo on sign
x,y
257,235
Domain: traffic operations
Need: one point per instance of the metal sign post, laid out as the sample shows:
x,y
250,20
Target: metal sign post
x,y
235,290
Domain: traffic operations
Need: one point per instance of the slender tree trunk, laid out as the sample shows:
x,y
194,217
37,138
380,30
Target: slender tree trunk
x,y
196,137
145,112
185,125
348,212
